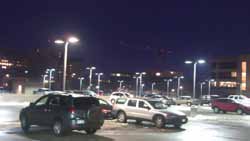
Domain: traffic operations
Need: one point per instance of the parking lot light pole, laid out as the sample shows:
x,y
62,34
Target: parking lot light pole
x,y
90,75
50,71
201,87
140,83
120,84
81,80
152,87
67,42
209,86
194,72
136,85
178,84
168,83
98,81
44,79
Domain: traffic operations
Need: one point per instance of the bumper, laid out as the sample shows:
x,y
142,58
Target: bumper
x,y
85,124
176,120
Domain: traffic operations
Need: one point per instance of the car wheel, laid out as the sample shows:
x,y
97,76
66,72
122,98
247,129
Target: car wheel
x,y
112,101
25,124
121,117
239,111
216,110
58,128
90,131
159,121
189,103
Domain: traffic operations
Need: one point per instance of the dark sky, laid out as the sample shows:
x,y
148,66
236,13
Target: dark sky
x,y
131,35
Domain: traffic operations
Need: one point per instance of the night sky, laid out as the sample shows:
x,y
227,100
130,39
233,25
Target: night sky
x,y
130,35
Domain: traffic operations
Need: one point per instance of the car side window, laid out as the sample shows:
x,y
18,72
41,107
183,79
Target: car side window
x,y
142,104
54,101
102,102
132,103
42,101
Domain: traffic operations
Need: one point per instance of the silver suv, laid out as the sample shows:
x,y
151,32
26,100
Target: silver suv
x,y
147,110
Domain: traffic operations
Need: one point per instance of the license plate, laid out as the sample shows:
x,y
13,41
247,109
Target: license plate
x,y
80,121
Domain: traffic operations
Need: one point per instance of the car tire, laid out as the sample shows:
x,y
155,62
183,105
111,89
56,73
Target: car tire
x,y
189,104
90,131
58,128
121,117
216,110
240,111
24,123
159,121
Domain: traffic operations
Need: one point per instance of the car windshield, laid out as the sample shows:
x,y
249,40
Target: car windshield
x,y
157,104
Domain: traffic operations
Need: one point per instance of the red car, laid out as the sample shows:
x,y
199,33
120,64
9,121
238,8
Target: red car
x,y
229,105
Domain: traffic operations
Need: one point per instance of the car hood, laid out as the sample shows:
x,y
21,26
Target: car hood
x,y
173,112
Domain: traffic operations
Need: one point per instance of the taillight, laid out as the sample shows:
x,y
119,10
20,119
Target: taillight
x,y
72,110
105,111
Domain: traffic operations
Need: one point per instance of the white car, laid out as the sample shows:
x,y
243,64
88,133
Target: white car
x,y
42,91
239,98
115,95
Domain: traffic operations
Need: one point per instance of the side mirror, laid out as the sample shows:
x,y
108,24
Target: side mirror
x,y
148,108
31,104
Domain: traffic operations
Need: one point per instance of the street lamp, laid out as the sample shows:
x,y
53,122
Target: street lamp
x,y
181,90
152,86
201,85
140,77
44,79
81,79
200,61
178,84
67,42
98,81
90,75
209,86
120,84
168,82
136,84
50,71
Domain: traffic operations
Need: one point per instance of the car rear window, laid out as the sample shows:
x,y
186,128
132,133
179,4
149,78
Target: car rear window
x,y
85,103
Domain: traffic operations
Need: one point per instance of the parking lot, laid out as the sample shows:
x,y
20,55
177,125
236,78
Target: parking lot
x,y
203,125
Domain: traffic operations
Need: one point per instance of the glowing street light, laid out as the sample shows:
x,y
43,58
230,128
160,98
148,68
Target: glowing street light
x,y
50,71
200,61
67,42
168,81
81,80
120,84
98,81
178,84
140,77
209,86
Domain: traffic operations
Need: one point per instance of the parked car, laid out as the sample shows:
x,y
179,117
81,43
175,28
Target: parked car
x,y
229,105
206,99
106,109
148,110
184,100
115,95
240,98
42,91
63,113
164,99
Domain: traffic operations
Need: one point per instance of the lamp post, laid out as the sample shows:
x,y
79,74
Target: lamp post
x,y
50,71
81,80
44,79
181,90
209,86
194,72
201,86
140,83
120,84
98,81
67,42
136,85
178,84
168,82
90,75
152,87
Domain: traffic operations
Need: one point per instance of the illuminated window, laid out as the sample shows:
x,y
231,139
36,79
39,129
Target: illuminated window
x,y
234,74
227,84
243,75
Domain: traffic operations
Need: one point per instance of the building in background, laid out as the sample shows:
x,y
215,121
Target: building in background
x,y
231,75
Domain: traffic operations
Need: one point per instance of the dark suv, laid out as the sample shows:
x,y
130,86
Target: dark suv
x,y
63,113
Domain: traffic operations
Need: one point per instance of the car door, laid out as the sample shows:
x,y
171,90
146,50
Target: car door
x,y
143,110
38,110
53,109
131,109
232,105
